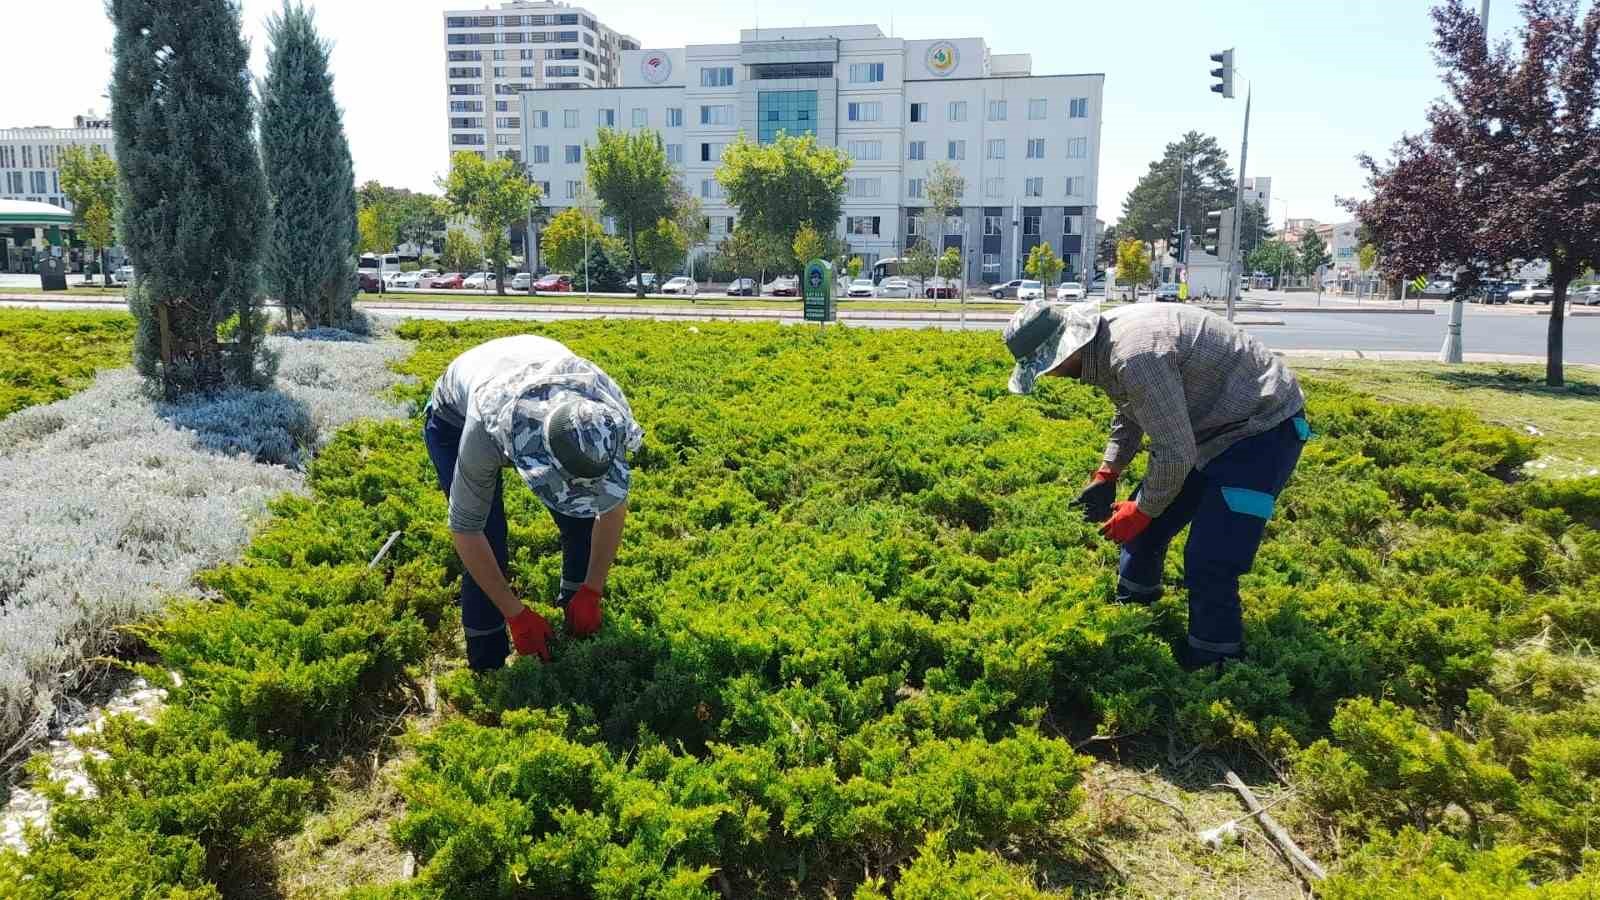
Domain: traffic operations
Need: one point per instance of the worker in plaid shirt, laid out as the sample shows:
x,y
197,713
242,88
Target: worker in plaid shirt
x,y
1226,422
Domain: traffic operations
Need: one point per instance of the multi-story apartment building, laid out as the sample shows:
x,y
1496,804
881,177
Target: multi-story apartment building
x,y
1259,190
30,158
1027,146
492,55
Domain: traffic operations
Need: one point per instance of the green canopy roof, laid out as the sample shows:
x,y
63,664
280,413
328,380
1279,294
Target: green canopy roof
x,y
30,212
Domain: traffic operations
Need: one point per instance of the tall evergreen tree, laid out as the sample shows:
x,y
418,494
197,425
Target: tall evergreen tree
x,y
194,199
310,262
1150,211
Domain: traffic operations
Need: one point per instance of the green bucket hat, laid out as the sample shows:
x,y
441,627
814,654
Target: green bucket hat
x,y
1042,335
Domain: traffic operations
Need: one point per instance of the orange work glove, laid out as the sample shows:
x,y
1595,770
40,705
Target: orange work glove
x,y
583,612
530,634
1126,523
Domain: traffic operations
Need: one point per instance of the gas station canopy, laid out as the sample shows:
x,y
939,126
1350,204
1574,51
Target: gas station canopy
x,y
32,214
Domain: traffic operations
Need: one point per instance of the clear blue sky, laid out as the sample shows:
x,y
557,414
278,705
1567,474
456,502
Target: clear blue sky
x,y
1332,79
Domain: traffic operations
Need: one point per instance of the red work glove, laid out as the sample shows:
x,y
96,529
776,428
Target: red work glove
x,y
530,634
583,612
1104,473
1126,523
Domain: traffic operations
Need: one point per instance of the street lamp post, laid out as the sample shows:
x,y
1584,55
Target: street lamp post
x,y
1285,242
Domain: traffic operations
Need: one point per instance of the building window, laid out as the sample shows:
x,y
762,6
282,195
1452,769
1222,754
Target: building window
x,y
1070,261
1033,187
674,117
1030,224
1072,225
605,118
1038,108
791,112
956,150
525,71
539,119
569,118
504,140
919,112
994,187
469,72
466,56
41,184
991,264
641,117
915,188
1074,185
710,188
1078,108
1036,148
917,150
1077,148
997,149
705,152
574,190
860,188
716,76
991,226
544,188
466,140
914,224
502,106
465,90
507,122
862,73
997,110
561,71
957,111
574,154
861,224
455,107
525,55
870,111
870,150
716,115
675,153
541,154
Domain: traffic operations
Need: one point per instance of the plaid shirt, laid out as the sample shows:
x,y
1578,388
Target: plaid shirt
x,y
1192,382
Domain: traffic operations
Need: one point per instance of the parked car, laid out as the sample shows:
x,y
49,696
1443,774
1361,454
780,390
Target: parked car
x,y
742,287
449,280
478,281
122,275
1030,290
1098,286
1006,290
862,287
427,274
649,279
1167,293
895,287
941,289
782,286
1532,295
553,284
406,280
682,285
1069,291
367,281
1492,292
522,282
1586,296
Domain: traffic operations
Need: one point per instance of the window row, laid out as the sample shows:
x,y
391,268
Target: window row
x,y
1033,186
1038,108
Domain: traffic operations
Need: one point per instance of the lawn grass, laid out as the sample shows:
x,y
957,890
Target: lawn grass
x,y
781,304
1565,421
45,356
75,292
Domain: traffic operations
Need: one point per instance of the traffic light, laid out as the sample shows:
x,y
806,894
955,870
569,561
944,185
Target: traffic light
x,y
1213,233
1176,241
1223,74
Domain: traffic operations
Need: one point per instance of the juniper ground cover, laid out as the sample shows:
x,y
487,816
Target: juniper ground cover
x,y
45,356
852,637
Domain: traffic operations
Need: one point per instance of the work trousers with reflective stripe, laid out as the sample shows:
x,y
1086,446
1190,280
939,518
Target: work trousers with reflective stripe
x,y
487,641
1228,503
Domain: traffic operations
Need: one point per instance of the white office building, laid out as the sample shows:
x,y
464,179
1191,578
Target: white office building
x,y
492,55
30,170
1027,146
1259,190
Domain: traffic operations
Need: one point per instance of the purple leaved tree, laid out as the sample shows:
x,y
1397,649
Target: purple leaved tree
x,y
1508,168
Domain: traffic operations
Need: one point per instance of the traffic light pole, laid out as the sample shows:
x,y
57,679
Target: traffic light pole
x,y
1238,213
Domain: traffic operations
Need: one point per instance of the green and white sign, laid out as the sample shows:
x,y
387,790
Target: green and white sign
x,y
1419,284
817,283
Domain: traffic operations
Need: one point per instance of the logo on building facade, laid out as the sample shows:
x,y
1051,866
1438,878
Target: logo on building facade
x,y
943,58
655,67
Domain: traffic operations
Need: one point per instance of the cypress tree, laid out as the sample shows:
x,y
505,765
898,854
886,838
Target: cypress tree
x,y
310,259
194,197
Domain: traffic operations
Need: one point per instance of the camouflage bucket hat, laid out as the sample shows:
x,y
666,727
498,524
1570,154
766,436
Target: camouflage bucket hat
x,y
1042,335
567,429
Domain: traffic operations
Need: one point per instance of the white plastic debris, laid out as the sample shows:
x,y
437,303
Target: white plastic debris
x,y
693,330
1533,431
1215,838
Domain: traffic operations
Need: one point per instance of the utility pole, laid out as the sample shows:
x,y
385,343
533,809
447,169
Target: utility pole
x,y
1238,212
1016,239
1451,351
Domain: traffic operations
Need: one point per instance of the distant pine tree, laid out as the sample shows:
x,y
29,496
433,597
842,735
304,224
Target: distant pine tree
x,y
194,200
310,260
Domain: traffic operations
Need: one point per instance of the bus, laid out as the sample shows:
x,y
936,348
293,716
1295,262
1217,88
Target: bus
x,y
886,268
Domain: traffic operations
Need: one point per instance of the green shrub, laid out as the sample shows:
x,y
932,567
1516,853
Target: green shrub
x,y
45,356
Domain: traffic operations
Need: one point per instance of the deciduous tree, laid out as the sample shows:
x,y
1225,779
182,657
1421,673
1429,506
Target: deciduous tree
x,y
1313,253
1043,263
310,260
495,194
194,199
89,179
662,248
564,242
777,187
461,252
631,178
807,245
1133,262
1505,170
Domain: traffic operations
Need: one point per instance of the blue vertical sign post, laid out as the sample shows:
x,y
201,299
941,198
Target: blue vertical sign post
x,y
818,287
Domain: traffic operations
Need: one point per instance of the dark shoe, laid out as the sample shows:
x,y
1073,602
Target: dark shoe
x,y
1193,659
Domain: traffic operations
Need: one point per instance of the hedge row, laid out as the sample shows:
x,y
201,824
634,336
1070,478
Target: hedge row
x,y
852,612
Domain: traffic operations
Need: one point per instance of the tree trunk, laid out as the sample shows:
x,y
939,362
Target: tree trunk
x,y
105,274
1554,376
633,248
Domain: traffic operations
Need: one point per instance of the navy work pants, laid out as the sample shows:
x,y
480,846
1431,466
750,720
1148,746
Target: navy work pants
x,y
487,642
1228,503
